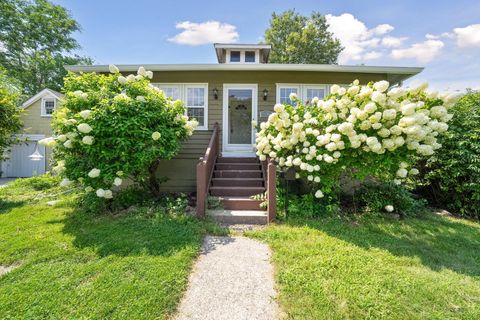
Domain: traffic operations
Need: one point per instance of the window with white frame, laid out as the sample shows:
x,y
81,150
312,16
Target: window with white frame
x,y
48,106
195,98
305,92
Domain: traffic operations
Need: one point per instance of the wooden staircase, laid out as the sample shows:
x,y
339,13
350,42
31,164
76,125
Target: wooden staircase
x,y
235,181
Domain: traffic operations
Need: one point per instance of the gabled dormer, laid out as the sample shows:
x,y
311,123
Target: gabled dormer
x,y
242,53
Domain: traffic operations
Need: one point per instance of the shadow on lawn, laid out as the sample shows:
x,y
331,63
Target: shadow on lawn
x,y
438,242
134,234
6,205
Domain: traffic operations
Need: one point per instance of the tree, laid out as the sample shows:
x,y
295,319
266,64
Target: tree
x,y
111,128
301,39
454,174
9,113
36,41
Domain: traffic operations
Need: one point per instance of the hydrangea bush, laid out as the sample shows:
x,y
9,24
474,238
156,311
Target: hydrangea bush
x,y
370,130
112,127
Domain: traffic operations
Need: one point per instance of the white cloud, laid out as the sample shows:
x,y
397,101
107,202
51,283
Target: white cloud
x,y
356,38
468,36
393,42
423,52
195,34
372,55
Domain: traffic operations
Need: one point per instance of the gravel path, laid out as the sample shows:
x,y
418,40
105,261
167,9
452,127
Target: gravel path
x,y
232,279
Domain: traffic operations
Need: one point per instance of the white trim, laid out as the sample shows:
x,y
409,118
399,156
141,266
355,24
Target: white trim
x,y
238,149
241,46
43,110
407,71
301,89
183,86
242,56
44,93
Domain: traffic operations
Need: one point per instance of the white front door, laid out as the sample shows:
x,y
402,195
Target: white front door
x,y
239,110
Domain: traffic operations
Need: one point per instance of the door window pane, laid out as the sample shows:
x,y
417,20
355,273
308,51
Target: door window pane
x,y
234,56
240,116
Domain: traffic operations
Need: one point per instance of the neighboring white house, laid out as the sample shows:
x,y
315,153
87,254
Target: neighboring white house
x,y
37,118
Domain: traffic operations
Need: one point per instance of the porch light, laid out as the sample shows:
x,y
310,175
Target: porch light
x,y
215,93
265,94
36,155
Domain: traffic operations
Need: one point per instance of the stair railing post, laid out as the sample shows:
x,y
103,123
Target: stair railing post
x,y
271,190
201,187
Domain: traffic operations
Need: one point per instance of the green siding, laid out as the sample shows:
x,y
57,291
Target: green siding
x,y
181,170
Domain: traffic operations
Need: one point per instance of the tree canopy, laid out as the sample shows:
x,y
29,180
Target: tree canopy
x,y
36,40
9,114
301,39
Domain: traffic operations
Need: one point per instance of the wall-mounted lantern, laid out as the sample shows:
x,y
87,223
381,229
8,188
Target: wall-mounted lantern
x,y
265,94
36,155
215,93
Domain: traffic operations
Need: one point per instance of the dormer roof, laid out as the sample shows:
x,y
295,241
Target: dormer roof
x,y
223,49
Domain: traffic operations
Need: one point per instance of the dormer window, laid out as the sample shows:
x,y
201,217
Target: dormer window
x,y
250,56
234,56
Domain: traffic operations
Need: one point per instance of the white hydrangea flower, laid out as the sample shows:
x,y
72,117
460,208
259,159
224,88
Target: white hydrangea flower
x,y
84,128
113,68
140,98
131,77
122,80
68,144
94,173
389,208
142,72
85,113
47,142
117,182
88,189
156,135
88,140
65,182
381,86
100,193
319,194
108,194
293,96
149,74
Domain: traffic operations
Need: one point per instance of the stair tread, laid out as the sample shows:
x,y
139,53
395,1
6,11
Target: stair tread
x,y
232,198
235,187
236,170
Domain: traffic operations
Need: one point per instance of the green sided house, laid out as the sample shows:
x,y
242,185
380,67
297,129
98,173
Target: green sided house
x,y
36,118
225,97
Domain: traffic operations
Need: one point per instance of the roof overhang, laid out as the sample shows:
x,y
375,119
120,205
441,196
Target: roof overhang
x,y
42,94
394,74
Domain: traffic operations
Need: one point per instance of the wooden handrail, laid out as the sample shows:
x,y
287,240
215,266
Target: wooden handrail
x,y
205,168
271,190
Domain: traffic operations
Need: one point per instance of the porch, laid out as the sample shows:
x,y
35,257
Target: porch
x,y
239,186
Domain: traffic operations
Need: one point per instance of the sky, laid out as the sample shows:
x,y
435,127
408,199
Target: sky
x,y
442,36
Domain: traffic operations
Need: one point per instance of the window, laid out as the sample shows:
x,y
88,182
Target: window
x,y
284,94
48,106
304,92
234,56
249,56
312,92
195,98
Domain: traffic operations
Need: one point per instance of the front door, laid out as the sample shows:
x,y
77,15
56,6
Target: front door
x,y
239,109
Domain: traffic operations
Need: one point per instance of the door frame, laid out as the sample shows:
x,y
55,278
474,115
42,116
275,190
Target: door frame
x,y
238,149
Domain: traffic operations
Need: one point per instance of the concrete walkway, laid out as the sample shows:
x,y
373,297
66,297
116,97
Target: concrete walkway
x,y
232,279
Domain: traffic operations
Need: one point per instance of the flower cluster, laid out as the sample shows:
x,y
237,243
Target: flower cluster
x,y
111,127
364,130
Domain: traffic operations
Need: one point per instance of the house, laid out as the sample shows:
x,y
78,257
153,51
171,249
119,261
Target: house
x,y
243,86
36,118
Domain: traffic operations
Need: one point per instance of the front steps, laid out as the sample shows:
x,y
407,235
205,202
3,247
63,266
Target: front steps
x,y
234,181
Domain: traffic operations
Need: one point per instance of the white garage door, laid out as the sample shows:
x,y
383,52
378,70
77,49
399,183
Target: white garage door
x,y
20,165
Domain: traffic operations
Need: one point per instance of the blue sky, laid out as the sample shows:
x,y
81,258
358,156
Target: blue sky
x,y
443,36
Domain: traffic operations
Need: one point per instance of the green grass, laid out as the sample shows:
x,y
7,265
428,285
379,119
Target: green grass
x,y
418,268
75,265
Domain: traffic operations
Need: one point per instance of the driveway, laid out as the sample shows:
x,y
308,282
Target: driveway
x,y
4,181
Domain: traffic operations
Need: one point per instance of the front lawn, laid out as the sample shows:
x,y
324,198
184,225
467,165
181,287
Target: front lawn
x,y
330,268
69,264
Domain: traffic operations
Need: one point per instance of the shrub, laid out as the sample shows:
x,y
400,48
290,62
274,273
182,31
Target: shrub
x,y
111,128
357,131
454,173
38,183
376,198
